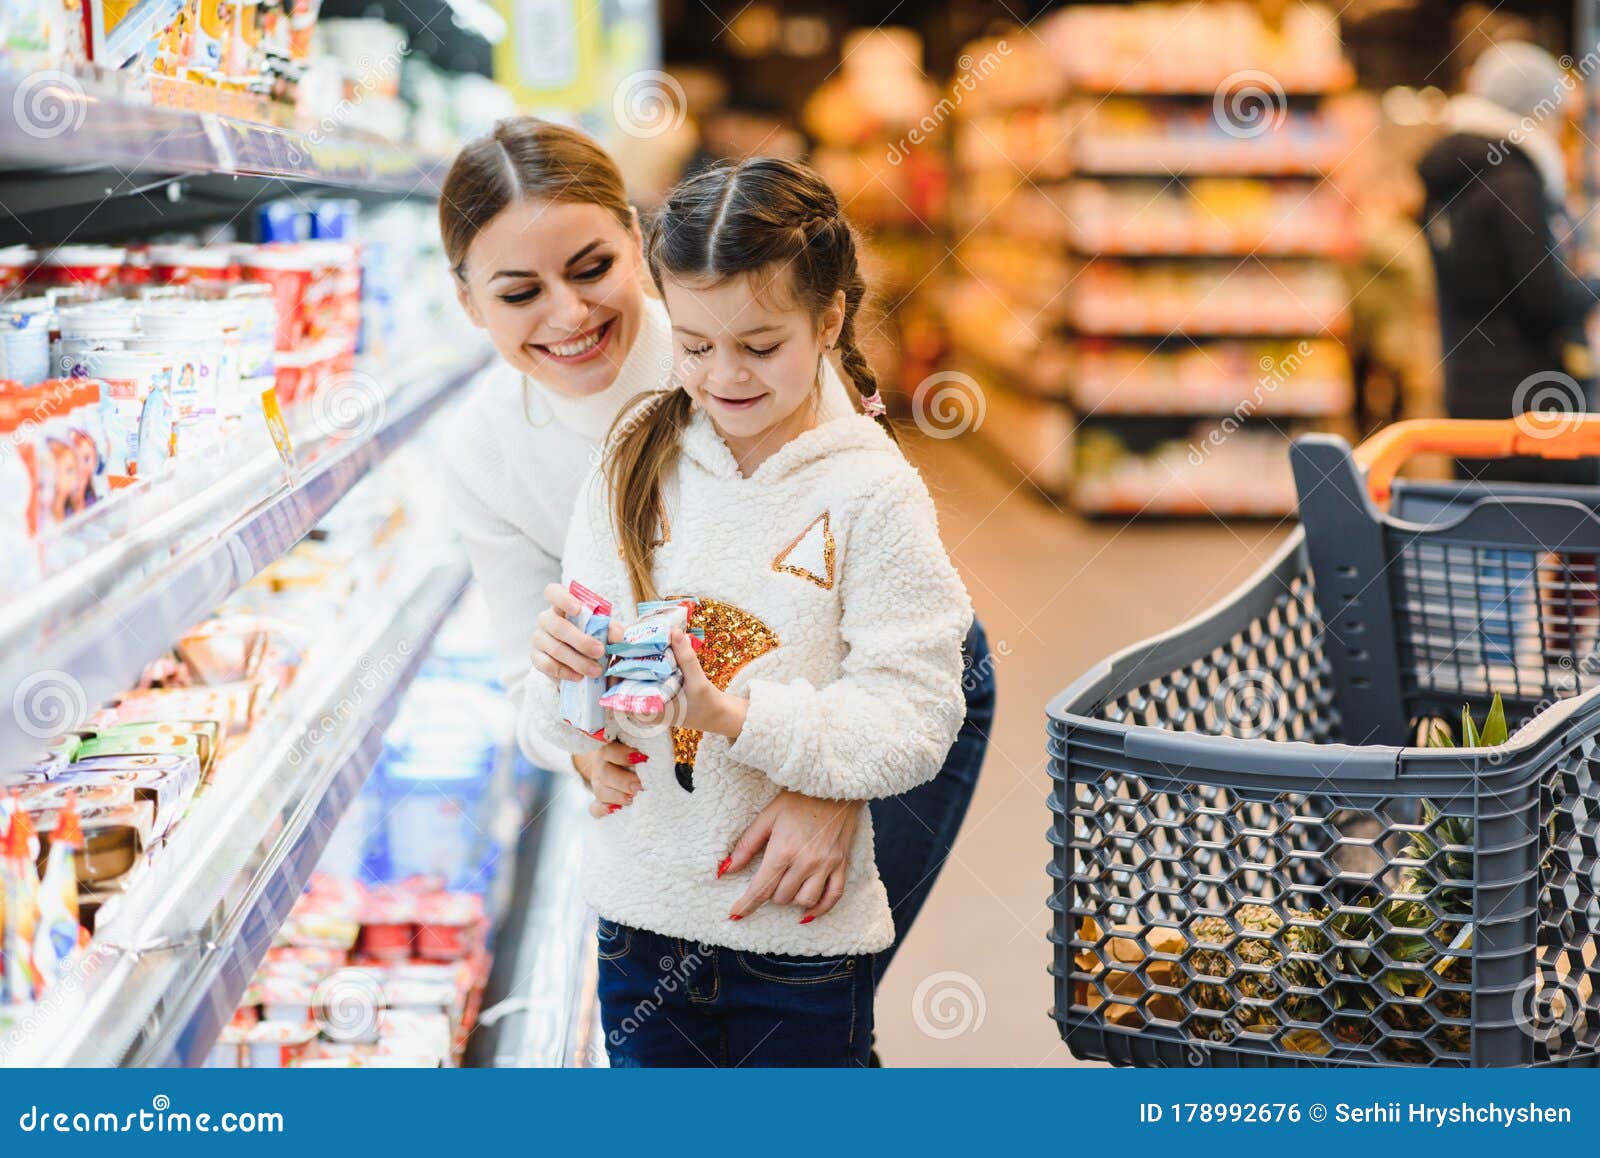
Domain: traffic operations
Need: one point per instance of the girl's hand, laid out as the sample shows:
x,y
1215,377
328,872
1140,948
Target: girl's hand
x,y
700,704
610,776
560,649
807,857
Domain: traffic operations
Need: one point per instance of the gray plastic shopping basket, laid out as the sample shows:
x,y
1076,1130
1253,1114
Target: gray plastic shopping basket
x,y
1253,861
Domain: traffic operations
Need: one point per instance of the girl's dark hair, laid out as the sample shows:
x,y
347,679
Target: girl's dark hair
x,y
760,216
524,158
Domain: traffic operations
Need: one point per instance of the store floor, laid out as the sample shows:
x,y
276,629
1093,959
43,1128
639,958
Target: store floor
x,y
1057,594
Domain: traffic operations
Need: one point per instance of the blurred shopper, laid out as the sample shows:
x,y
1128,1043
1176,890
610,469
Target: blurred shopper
x,y
1511,310
1512,315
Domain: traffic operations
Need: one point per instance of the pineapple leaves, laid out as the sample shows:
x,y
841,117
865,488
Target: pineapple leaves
x,y
1494,731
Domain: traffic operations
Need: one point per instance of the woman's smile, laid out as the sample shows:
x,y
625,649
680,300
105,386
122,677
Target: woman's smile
x,y
587,345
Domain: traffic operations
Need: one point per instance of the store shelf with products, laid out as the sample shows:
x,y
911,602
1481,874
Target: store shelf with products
x,y
181,548
1181,266
279,716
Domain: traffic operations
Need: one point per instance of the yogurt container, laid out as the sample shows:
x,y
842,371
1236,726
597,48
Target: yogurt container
x,y
86,266
19,507
186,264
24,346
97,326
193,344
15,263
136,403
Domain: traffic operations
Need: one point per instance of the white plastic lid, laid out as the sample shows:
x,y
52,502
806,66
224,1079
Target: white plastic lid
x,y
199,256
14,255
110,318
123,363
82,255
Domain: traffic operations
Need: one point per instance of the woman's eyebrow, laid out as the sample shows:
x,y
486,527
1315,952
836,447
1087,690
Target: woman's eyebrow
x,y
582,253
515,273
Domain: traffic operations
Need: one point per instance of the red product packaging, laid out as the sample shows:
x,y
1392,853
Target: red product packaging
x,y
290,270
84,266
192,264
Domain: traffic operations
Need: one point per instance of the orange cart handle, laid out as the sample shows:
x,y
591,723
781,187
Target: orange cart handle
x,y
1535,434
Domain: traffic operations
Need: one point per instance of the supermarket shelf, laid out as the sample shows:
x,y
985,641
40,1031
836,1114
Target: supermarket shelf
x,y
85,159
93,626
1240,328
1328,247
1155,84
555,1020
1127,409
82,124
171,960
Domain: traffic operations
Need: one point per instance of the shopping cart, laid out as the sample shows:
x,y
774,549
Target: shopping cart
x,y
1255,863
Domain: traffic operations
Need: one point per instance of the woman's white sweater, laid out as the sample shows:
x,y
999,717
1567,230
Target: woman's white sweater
x,y
516,455
828,601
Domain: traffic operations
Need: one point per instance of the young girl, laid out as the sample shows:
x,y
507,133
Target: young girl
x,y
833,623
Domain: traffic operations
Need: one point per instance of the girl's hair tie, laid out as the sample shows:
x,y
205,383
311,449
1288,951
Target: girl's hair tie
x,y
872,405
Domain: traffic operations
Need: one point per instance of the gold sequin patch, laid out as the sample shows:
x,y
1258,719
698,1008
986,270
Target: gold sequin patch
x,y
829,549
733,638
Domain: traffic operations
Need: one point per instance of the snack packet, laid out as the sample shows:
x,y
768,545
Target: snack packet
x,y
57,935
22,889
580,699
643,697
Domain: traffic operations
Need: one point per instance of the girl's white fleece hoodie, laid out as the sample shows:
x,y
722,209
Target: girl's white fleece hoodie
x,y
829,600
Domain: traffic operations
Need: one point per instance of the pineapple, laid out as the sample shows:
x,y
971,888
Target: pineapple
x,y
1258,950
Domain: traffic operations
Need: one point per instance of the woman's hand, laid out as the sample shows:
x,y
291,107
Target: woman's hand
x,y
610,776
561,650
699,704
807,856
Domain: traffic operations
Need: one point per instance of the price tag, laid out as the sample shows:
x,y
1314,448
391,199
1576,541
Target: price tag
x,y
217,133
278,428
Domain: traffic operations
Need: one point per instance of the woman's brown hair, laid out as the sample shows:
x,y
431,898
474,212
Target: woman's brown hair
x,y
764,215
524,158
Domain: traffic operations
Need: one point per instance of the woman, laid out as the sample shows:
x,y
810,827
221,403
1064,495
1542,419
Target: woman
x,y
548,261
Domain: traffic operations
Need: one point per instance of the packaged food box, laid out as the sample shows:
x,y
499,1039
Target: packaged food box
x,y
114,839
236,706
167,781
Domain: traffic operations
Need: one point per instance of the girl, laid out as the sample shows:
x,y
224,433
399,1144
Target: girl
x,y
546,257
833,627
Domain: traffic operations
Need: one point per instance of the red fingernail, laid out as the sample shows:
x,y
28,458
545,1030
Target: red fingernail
x,y
723,867
696,643
808,918
637,757
613,807
735,917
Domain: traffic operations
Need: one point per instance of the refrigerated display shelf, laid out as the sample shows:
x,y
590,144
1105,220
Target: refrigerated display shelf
x,y
170,961
93,626
552,1020
62,120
